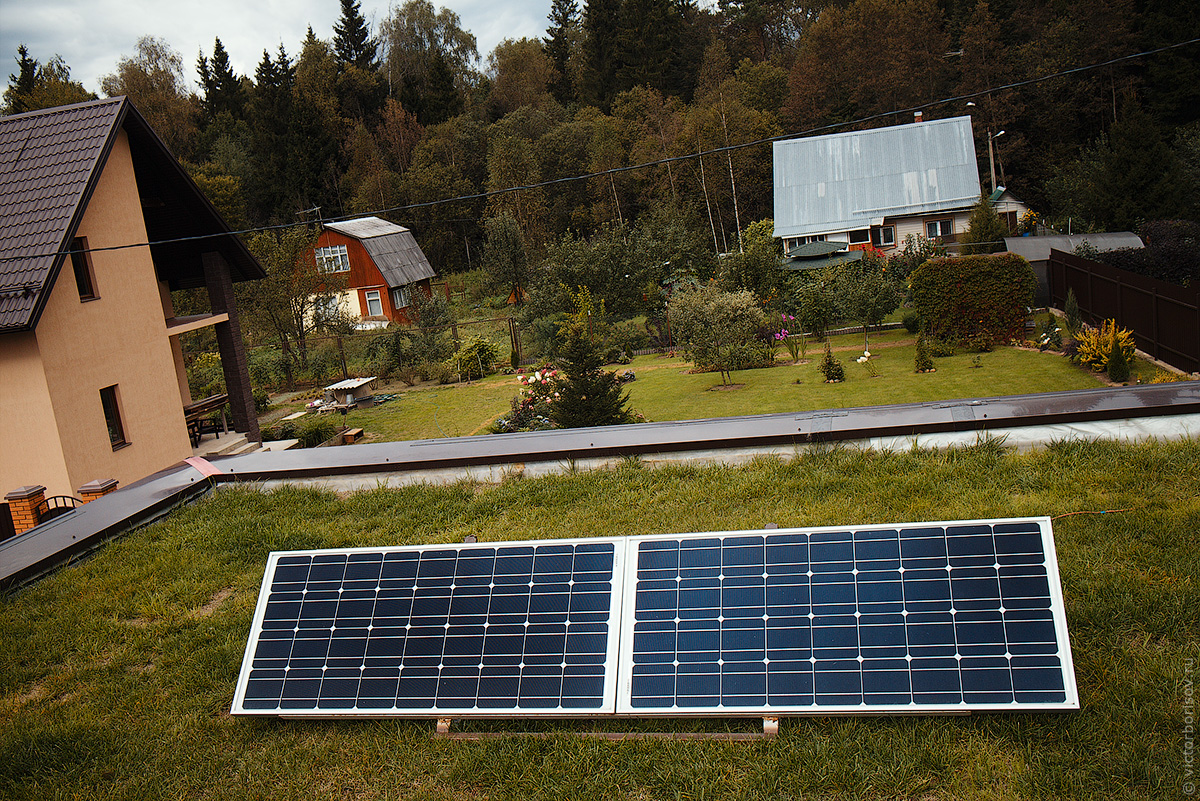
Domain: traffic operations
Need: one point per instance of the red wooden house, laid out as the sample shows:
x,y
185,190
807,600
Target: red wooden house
x,y
382,265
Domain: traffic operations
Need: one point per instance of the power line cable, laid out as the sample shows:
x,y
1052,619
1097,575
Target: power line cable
x,y
616,170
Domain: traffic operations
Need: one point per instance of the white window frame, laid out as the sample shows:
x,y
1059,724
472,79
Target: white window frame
x,y
945,228
333,259
376,300
402,297
878,239
864,233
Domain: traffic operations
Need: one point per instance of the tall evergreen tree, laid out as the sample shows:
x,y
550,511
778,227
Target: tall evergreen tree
x,y
601,21
645,43
273,195
223,90
352,40
563,31
37,86
21,85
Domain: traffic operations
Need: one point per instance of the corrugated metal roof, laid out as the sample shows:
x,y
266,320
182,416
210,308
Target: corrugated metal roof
x,y
1037,248
50,161
850,181
392,247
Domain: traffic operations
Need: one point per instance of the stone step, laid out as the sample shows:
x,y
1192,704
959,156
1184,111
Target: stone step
x,y
281,445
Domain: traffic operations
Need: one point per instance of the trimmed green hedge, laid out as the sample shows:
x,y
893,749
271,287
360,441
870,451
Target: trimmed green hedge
x,y
969,296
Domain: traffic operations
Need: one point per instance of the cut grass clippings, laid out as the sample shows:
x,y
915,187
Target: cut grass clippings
x,y
118,672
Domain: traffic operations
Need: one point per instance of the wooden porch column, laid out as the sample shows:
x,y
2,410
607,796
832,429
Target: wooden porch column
x,y
234,362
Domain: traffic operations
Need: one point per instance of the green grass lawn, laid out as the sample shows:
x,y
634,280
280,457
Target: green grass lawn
x,y
117,673
665,388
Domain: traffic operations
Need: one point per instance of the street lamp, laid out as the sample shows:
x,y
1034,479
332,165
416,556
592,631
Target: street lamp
x,y
992,156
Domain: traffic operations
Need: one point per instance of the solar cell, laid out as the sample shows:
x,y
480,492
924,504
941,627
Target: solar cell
x,y
921,617
929,617
473,629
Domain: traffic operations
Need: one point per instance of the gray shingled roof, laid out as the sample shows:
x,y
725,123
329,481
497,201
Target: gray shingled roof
x,y
851,181
50,161
392,247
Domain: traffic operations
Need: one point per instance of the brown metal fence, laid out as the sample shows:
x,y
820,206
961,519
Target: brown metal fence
x,y
1164,318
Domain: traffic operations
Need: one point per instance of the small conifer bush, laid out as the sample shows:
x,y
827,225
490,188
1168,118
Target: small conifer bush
x,y
831,368
924,360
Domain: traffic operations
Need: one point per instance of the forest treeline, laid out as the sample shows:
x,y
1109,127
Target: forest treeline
x,y
406,120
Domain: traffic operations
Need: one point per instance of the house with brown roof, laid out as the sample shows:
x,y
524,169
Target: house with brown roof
x,y
382,265
99,223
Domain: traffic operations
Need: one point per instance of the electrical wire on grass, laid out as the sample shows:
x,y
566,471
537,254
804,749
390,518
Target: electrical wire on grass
x,y
1105,512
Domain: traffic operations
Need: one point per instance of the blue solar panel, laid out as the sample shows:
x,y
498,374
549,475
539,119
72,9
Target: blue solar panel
x,y
922,617
469,629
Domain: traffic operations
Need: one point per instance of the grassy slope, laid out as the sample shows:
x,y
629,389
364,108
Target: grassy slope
x,y
117,673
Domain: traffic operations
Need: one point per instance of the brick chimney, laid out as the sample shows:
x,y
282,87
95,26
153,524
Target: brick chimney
x,y
918,116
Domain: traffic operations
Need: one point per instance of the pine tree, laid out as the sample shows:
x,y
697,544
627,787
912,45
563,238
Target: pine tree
x,y
352,40
601,22
223,90
563,30
588,394
21,85
985,231
924,362
1074,319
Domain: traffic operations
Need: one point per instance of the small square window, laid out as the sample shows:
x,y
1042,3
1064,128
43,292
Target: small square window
x,y
936,229
401,298
81,262
374,304
112,416
883,236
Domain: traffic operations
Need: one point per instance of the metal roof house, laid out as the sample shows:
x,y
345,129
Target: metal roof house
x,y
872,188
382,264
98,224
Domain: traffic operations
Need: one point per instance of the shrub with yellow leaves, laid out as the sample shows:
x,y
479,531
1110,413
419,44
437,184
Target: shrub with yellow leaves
x,y
1095,345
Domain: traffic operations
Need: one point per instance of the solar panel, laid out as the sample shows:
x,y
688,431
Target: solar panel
x,y
477,630
930,617
921,617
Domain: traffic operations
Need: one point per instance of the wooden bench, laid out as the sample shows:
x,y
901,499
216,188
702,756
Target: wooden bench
x,y
351,435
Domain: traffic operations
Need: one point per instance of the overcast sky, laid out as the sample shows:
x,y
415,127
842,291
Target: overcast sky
x,y
92,35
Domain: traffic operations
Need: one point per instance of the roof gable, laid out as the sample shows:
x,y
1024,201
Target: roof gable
x,y
392,247
50,163
850,181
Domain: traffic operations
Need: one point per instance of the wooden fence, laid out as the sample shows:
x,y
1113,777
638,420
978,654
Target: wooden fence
x,y
1164,318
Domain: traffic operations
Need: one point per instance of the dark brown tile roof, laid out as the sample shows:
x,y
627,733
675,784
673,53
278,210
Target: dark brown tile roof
x,y
47,163
50,161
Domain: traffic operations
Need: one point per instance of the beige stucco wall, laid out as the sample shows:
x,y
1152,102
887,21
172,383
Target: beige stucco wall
x,y
120,338
30,451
